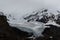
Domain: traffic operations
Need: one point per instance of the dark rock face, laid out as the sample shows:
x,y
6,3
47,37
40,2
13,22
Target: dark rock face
x,y
45,19
32,17
58,19
52,33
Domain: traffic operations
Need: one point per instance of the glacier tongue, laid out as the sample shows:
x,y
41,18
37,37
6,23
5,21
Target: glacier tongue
x,y
32,27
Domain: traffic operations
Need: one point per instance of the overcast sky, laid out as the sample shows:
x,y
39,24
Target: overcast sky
x,y
21,7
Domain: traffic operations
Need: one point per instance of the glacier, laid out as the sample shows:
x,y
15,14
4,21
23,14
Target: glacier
x,y
29,24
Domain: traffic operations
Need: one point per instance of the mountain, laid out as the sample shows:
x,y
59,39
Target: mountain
x,y
42,25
